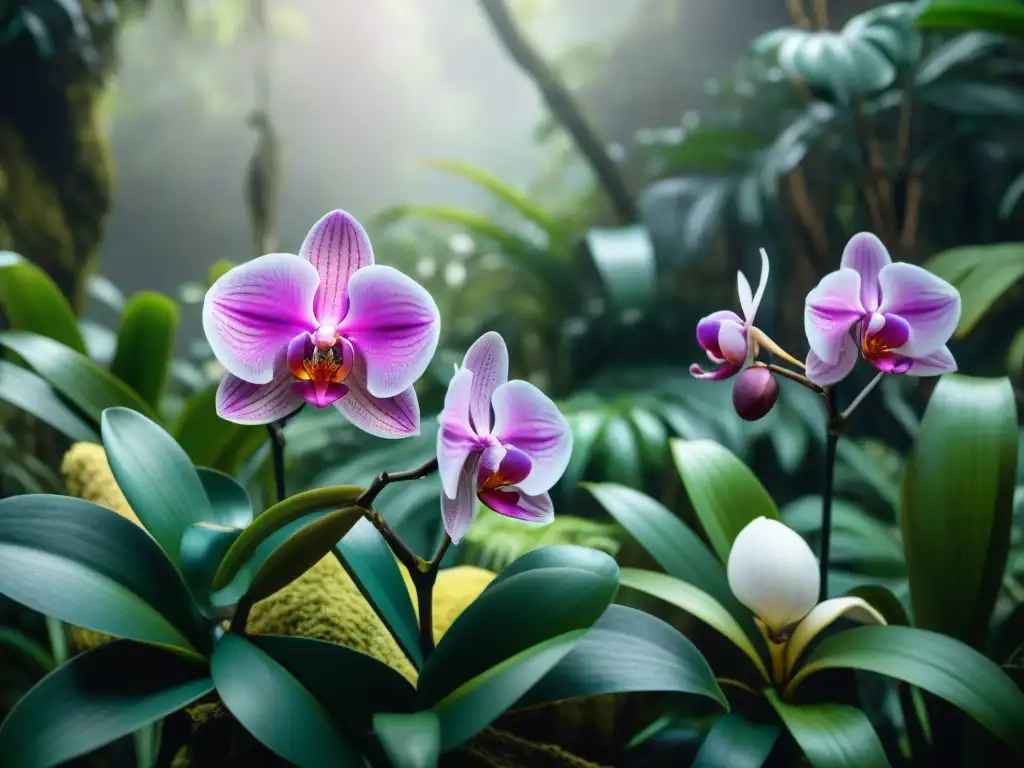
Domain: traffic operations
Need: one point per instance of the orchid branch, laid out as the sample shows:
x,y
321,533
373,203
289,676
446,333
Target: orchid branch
x,y
277,445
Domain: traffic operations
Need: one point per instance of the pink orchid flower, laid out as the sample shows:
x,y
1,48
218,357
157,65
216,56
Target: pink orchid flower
x,y
325,327
898,316
729,341
501,441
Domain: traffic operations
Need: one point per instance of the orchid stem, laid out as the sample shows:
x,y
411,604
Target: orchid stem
x,y
799,378
835,426
276,431
861,397
384,479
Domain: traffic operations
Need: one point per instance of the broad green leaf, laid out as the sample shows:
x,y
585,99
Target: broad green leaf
x,y
409,741
856,536
586,429
1003,16
371,564
97,697
883,601
627,651
32,302
105,291
89,567
145,344
300,552
832,735
737,742
821,616
560,556
26,646
202,548
26,391
934,663
156,477
209,440
624,258
296,727
73,375
982,273
619,451
957,505
510,618
724,493
229,501
652,436
868,471
277,517
695,602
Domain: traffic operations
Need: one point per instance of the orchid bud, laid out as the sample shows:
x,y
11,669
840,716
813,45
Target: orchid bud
x,y
755,392
773,572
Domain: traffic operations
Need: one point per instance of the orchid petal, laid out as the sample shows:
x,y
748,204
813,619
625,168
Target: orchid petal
x,y
253,311
336,246
515,466
830,311
761,285
511,503
458,512
709,327
746,298
928,303
890,331
732,340
320,394
394,323
526,418
241,402
823,374
933,364
824,614
488,360
866,255
387,417
722,372
455,438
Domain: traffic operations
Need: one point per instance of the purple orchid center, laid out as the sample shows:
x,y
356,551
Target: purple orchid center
x,y
320,362
879,336
513,469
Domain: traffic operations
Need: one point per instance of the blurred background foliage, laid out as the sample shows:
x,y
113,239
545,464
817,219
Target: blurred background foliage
x,y
590,193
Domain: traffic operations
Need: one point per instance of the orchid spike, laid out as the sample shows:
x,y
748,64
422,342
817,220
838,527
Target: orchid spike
x,y
325,327
899,316
502,442
730,342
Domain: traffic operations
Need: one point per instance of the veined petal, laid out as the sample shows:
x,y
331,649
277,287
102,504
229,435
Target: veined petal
x,y
387,417
933,364
394,323
458,511
513,503
336,246
830,311
821,616
866,255
455,437
241,402
928,303
823,374
253,311
488,360
526,418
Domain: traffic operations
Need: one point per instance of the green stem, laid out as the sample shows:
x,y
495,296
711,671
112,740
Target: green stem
x,y
276,431
424,581
835,425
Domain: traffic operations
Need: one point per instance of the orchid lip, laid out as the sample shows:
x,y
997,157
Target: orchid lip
x,y
320,367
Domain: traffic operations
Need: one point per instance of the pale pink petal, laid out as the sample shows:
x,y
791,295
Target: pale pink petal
x,y
394,323
721,372
337,246
927,302
823,373
458,512
488,360
933,364
761,285
514,503
253,311
746,297
708,329
526,418
732,340
830,311
455,436
240,402
387,417
866,255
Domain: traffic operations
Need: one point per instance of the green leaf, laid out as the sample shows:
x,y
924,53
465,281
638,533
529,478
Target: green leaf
x,y
300,552
88,566
97,697
371,564
957,504
73,375
28,647
982,274
652,437
737,742
867,469
145,344
856,536
229,502
274,519
26,391
883,601
935,663
202,548
209,440
511,617
724,493
409,741
619,452
156,477
1004,16
586,429
624,258
697,603
560,556
627,651
296,727
32,302
832,735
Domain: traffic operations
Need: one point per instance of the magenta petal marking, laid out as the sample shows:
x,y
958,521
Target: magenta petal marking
x,y
488,360
299,350
513,503
320,393
253,311
891,333
928,303
395,325
722,372
240,402
526,418
824,373
458,511
336,246
891,362
387,417
830,311
515,467
455,437
934,364
867,255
